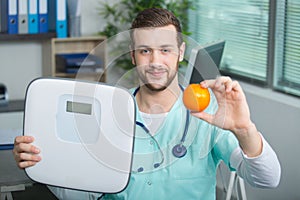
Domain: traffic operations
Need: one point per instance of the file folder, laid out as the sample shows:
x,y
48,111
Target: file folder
x,y
12,23
22,16
3,16
74,18
33,16
43,16
58,17
61,24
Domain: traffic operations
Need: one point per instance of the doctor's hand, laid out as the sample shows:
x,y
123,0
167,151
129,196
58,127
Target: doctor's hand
x,y
233,113
25,153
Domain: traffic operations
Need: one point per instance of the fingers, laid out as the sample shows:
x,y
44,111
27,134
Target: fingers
x,y
26,160
221,84
24,152
29,157
23,139
23,144
25,164
204,116
24,147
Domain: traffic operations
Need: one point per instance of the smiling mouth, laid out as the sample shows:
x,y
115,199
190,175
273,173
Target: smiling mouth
x,y
157,74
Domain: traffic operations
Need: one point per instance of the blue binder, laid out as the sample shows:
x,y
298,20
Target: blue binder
x,y
33,26
58,17
12,23
43,16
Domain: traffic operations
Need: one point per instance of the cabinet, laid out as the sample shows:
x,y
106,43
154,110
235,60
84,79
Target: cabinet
x,y
57,46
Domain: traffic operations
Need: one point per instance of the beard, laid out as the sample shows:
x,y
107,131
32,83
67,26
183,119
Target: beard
x,y
161,85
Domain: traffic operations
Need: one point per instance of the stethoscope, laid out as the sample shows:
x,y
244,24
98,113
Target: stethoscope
x,y
179,150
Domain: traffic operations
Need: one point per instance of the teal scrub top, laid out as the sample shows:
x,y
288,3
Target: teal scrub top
x,y
190,177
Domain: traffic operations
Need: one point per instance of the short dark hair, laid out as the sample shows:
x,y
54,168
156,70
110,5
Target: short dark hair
x,y
156,17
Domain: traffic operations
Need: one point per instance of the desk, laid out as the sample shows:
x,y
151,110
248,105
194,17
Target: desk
x,y
11,122
13,106
11,177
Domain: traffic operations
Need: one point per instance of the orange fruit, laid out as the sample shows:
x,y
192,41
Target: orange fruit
x,y
196,98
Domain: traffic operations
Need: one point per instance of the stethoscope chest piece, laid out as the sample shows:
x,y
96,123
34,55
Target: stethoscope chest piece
x,y
179,150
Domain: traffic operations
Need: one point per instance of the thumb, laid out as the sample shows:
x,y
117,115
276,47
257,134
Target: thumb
x,y
204,116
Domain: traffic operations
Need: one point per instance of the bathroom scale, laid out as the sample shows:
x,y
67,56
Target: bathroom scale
x,y
85,131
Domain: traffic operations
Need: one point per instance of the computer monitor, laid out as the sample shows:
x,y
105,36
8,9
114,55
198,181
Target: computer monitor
x,y
204,62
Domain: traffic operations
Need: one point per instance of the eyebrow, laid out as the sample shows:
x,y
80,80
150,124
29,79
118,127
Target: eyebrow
x,y
162,46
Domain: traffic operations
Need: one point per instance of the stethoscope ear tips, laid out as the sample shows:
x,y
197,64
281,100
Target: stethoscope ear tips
x,y
179,150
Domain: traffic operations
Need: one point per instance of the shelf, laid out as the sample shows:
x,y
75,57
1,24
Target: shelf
x,y
25,37
51,48
96,76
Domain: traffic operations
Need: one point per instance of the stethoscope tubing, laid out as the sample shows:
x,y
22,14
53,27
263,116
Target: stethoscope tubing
x,y
179,150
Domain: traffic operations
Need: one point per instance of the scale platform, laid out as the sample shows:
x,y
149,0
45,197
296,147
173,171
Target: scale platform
x,y
85,131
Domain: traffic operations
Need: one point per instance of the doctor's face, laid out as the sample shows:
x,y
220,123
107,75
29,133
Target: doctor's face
x,y
156,55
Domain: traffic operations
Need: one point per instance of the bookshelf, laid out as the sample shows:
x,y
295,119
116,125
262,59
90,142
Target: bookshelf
x,y
55,46
26,37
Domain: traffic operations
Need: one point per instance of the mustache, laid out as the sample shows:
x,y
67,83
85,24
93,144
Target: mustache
x,y
155,67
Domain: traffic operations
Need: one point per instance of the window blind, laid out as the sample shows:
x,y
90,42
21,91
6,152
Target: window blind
x,y
287,59
244,26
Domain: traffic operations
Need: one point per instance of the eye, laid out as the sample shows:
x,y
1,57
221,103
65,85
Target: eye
x,y
145,51
166,50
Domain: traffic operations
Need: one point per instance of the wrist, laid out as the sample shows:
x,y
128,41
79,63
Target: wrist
x,y
250,140
246,130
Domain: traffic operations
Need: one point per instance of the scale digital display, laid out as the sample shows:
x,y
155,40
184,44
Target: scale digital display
x,y
75,115
77,107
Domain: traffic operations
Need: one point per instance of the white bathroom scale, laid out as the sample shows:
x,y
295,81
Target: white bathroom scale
x,y
85,131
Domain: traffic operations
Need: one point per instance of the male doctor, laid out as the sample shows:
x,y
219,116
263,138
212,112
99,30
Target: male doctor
x,y
227,135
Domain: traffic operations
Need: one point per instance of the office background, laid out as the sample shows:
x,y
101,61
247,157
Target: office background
x,y
276,114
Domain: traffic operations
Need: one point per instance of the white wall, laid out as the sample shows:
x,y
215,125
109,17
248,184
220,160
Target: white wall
x,y
20,62
277,116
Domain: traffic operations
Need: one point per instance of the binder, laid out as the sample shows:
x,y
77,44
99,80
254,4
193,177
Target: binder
x,y
58,17
43,16
74,18
12,23
61,23
33,16
22,16
3,16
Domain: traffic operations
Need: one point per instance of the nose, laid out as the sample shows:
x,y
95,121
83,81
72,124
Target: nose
x,y
155,56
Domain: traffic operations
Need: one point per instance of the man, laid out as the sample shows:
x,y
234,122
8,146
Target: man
x,y
157,48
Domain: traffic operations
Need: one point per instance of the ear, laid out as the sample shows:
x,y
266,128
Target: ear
x,y
181,51
132,55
